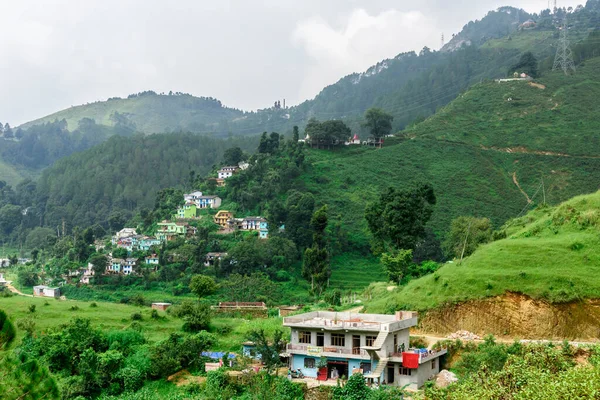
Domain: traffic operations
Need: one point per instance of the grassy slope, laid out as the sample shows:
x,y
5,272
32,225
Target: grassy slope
x,y
111,316
551,253
561,118
10,173
446,150
150,113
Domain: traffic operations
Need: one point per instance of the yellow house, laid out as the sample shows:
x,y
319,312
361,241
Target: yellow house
x,y
222,217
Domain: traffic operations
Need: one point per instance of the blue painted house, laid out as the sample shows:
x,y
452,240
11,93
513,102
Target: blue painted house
x,y
375,345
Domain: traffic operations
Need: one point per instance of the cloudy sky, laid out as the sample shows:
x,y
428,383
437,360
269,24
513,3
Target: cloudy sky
x,y
247,53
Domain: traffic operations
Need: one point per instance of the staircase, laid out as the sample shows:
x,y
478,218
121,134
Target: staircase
x,y
378,344
379,370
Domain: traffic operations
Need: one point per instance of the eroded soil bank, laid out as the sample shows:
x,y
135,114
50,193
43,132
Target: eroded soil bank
x,y
517,316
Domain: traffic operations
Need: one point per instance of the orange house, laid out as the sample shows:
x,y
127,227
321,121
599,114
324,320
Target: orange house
x,y
222,217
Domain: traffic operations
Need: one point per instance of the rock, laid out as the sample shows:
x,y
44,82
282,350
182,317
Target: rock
x,y
445,378
463,335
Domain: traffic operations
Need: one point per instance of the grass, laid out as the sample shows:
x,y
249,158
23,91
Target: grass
x,y
230,332
463,151
10,174
552,253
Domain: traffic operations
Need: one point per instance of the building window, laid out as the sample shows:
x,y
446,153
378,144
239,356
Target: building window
x,y
432,364
338,339
366,367
304,337
370,340
405,371
309,363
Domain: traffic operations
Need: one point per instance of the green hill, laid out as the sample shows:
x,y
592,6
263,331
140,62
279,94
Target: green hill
x,y
556,113
552,253
475,151
150,113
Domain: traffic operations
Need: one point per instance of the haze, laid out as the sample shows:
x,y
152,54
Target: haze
x,y
246,53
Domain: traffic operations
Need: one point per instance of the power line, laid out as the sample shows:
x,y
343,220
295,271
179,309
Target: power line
x,y
564,57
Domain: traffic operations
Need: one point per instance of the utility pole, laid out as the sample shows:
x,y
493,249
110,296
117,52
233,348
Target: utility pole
x,y
564,57
543,190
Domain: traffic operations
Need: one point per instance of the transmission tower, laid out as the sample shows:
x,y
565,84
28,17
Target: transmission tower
x,y
442,40
564,56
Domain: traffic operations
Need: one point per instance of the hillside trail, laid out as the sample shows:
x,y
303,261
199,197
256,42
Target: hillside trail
x,y
515,180
17,291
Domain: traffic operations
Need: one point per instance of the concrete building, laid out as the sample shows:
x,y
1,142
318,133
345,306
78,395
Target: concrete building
x,y
376,345
227,172
46,291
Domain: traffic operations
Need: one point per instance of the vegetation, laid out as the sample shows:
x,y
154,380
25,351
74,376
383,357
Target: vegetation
x,y
530,260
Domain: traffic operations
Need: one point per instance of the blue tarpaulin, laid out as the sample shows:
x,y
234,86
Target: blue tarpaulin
x,y
216,355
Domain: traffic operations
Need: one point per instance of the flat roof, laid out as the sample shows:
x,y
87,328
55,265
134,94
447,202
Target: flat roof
x,y
349,320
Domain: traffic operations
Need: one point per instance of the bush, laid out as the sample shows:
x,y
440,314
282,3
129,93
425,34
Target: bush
x,y
93,304
196,316
154,314
31,308
74,308
136,316
417,342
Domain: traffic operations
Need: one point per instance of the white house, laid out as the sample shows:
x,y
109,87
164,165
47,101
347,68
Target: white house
x,y
46,291
192,196
123,234
227,172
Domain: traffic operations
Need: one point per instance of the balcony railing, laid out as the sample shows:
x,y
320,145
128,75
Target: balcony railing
x,y
326,349
332,324
423,357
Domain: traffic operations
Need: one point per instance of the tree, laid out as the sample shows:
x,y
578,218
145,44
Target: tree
x,y
295,134
527,64
397,264
269,349
378,122
203,285
233,156
399,217
99,263
22,377
263,146
466,234
315,266
355,389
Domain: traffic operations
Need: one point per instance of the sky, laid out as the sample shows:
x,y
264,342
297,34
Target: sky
x,y
59,53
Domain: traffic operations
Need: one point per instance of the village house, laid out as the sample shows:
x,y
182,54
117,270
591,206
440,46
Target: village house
x,y
152,260
46,291
146,243
168,230
376,345
220,182
187,211
3,282
115,266
221,218
87,274
129,266
227,172
212,257
208,202
122,234
243,165
353,140
192,196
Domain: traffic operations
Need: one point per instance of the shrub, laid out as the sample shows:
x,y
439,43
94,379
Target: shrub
x,y
154,314
417,342
93,304
136,316
46,303
31,308
74,308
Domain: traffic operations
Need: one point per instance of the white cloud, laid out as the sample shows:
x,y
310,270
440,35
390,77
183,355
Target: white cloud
x,y
361,41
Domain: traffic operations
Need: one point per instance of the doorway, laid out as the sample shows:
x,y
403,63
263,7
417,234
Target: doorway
x,y
320,339
355,344
337,369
